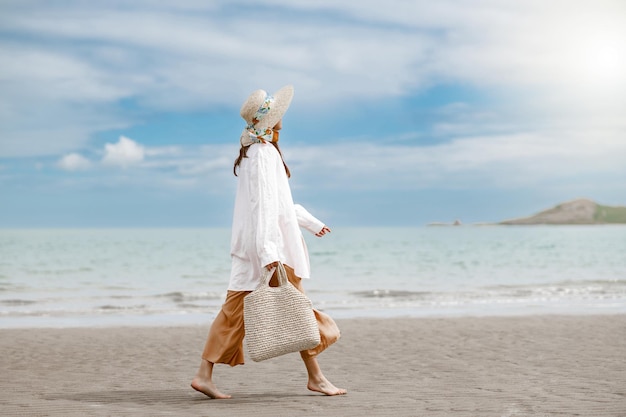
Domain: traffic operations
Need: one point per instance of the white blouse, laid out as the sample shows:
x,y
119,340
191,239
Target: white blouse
x,y
266,222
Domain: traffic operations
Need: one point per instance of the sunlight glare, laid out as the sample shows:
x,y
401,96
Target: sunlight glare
x,y
603,63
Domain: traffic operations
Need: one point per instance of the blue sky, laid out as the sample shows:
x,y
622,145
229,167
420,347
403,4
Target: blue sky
x,y
126,113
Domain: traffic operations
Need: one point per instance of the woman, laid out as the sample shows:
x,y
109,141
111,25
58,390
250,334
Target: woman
x,y
266,230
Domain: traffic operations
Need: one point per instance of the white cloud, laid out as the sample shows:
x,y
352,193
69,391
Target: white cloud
x,y
74,162
205,168
194,55
199,58
124,153
164,151
52,102
191,161
573,162
66,75
503,161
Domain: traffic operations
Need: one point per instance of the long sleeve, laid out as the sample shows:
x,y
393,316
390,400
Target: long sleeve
x,y
307,220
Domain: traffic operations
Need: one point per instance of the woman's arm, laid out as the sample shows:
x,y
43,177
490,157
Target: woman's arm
x,y
310,222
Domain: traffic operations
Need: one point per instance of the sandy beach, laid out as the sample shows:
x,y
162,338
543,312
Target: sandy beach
x,y
506,366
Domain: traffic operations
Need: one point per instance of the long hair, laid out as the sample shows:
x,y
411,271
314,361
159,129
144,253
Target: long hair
x,y
244,150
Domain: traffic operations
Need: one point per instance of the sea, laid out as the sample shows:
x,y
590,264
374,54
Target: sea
x,y
172,277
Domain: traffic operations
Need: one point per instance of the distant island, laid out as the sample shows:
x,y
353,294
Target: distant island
x,y
580,211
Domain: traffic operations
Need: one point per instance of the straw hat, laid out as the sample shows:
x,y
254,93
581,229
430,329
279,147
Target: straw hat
x,y
270,110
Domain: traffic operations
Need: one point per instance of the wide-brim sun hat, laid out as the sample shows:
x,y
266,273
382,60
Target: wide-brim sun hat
x,y
268,108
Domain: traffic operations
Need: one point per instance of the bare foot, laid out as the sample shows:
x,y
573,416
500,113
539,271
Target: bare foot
x,y
325,387
207,388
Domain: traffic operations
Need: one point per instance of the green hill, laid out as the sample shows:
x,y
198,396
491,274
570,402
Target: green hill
x,y
580,211
609,214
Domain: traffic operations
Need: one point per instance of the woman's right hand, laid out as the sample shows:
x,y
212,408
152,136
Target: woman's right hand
x,y
272,265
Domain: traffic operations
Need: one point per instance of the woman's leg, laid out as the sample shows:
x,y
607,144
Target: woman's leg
x,y
329,333
224,344
203,381
317,380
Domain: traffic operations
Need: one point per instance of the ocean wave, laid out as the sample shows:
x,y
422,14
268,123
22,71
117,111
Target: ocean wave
x,y
117,287
597,288
190,306
104,311
65,271
182,297
564,291
381,293
194,276
17,302
565,283
120,308
324,253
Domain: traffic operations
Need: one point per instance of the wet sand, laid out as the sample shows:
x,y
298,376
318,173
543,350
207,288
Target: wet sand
x,y
506,366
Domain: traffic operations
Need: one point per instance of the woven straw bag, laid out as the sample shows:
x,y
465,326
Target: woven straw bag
x,y
278,320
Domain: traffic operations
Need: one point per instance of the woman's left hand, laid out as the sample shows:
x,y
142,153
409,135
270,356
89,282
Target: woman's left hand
x,y
323,231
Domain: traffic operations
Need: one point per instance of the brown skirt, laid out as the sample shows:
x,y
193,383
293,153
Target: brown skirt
x,y
225,341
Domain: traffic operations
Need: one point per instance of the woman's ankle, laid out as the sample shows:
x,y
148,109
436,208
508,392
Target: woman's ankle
x,y
206,370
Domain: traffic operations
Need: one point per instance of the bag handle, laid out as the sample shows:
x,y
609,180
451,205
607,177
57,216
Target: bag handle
x,y
282,275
